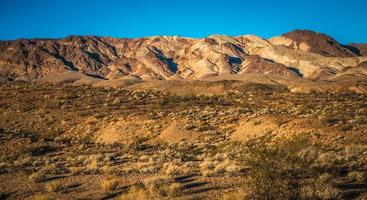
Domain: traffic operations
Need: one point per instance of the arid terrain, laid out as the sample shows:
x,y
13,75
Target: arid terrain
x,y
222,117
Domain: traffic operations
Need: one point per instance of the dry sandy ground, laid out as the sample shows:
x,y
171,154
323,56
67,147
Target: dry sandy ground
x,y
69,142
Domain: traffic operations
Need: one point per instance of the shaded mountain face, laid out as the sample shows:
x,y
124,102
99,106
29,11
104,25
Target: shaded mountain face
x,y
359,49
295,54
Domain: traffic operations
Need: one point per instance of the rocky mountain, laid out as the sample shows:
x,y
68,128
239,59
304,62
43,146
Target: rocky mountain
x,y
300,53
310,41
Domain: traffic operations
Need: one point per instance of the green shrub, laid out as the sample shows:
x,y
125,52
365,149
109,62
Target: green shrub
x,y
279,167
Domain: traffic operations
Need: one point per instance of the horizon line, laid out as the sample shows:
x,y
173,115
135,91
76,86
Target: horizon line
x,y
168,35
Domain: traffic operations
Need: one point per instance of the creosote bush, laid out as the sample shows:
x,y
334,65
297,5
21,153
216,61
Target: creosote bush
x,y
280,168
53,186
156,188
110,184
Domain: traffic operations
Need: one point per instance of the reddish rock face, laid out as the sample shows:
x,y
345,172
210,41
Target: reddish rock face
x,y
256,64
319,43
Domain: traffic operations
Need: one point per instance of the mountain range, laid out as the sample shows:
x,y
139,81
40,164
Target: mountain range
x,y
298,54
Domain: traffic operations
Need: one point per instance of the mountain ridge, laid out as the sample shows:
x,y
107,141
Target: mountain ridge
x,y
296,54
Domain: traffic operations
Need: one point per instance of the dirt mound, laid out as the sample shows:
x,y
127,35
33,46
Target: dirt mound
x,y
280,126
119,83
176,133
123,132
255,127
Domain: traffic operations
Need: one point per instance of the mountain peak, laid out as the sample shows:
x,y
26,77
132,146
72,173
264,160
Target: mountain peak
x,y
311,41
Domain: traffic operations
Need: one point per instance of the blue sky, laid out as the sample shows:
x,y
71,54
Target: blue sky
x,y
345,20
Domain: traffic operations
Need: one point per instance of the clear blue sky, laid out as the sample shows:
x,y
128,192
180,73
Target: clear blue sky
x,y
345,20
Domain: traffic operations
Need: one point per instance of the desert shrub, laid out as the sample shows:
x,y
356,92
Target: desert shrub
x,y
207,166
163,186
325,178
110,184
329,158
360,177
53,186
157,181
84,113
171,168
38,150
355,150
37,177
325,191
154,189
4,167
26,107
279,167
331,120
321,188
52,104
239,194
346,127
227,165
138,193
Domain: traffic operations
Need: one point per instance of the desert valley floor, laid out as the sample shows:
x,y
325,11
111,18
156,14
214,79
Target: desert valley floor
x,y
61,141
